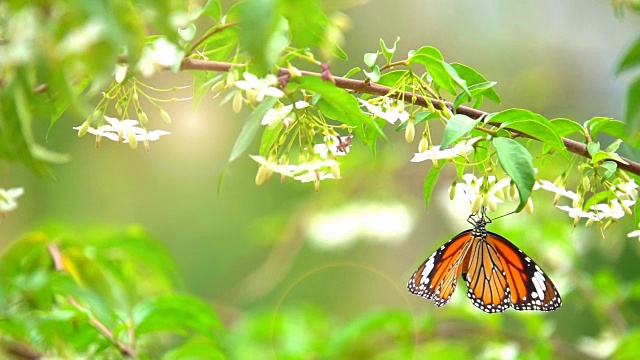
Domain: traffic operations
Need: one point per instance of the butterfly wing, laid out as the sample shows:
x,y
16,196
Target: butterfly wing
x,y
486,279
436,278
529,288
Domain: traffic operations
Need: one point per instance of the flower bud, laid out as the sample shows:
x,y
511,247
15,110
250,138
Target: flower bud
x,y
261,175
410,131
626,208
237,102
165,116
131,136
476,204
422,146
452,190
556,199
528,208
586,184
142,116
231,78
84,128
335,170
293,71
623,175
218,87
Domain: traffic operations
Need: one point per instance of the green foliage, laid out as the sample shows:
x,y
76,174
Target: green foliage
x,y
518,164
87,294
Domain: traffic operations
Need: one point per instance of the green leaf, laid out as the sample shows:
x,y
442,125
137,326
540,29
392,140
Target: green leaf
x,y
269,137
517,162
258,20
307,21
374,75
593,148
601,155
353,71
388,52
458,126
476,92
370,59
168,313
612,127
632,112
196,348
187,33
610,167
425,50
631,59
337,104
212,9
250,128
566,127
438,71
475,78
531,124
430,182
391,78
613,147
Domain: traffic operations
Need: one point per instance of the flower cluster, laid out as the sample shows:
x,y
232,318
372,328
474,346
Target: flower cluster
x,y
255,89
323,166
8,199
122,131
386,108
463,148
485,192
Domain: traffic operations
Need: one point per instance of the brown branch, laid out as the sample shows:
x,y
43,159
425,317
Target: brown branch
x,y
364,87
126,350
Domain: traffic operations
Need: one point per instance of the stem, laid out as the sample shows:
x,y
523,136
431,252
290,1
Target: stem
x,y
209,34
375,89
126,350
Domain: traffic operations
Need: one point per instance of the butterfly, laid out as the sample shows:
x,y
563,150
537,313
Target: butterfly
x,y
498,274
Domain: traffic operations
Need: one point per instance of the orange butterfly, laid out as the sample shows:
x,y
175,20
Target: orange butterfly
x,y
497,273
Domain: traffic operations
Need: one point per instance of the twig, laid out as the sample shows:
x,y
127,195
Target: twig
x,y
362,86
126,350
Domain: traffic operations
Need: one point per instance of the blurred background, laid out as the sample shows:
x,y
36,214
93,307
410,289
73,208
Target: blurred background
x,y
349,249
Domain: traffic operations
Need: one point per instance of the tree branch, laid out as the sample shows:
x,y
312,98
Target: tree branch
x,y
126,350
364,87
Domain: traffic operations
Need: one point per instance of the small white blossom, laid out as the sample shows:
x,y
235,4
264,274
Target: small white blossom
x,y
611,210
275,115
314,176
578,213
158,55
121,72
386,108
8,199
549,186
470,191
627,190
635,233
283,169
124,131
463,148
257,89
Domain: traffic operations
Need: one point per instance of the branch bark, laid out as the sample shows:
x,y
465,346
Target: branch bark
x,y
365,87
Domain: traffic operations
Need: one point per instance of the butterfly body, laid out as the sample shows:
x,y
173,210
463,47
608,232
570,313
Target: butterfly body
x,y
498,274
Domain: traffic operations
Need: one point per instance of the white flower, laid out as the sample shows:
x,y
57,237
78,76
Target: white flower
x,y
627,190
158,55
390,109
336,145
8,199
578,213
124,131
286,170
274,116
121,72
613,209
635,233
471,190
549,186
257,89
463,148
314,176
